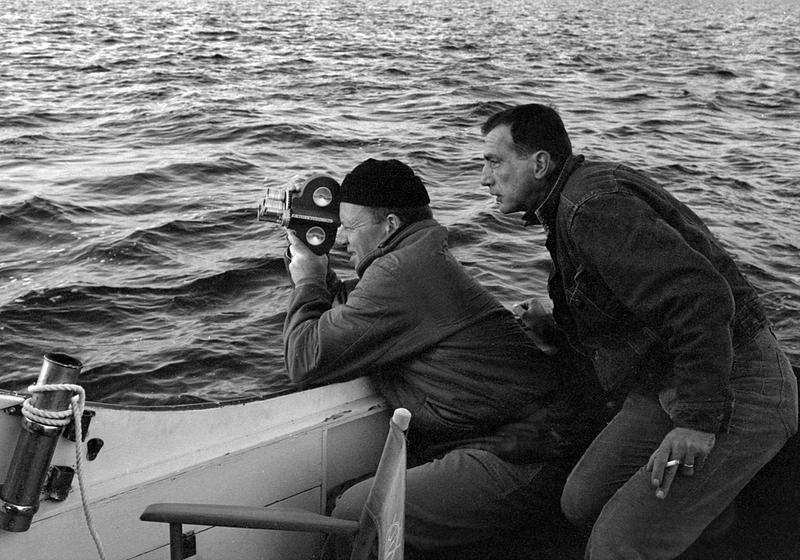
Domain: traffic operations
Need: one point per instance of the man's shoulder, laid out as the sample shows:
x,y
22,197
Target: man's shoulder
x,y
395,267
600,179
599,173
590,175
425,240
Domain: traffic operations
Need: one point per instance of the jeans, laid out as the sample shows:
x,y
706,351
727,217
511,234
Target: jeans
x,y
465,497
609,490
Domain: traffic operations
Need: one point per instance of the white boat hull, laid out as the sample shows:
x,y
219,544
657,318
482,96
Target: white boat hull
x,y
288,450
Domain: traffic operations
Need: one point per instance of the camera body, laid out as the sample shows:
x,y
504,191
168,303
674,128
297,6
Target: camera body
x,y
313,212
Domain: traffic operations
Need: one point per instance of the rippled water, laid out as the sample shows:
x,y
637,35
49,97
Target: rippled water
x,y
136,136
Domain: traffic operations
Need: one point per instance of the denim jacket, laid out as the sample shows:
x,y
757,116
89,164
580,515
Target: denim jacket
x,y
642,287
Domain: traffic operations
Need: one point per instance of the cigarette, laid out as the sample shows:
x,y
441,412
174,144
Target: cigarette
x,y
673,463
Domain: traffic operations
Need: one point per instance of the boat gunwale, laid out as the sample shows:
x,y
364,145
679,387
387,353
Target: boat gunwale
x,y
21,396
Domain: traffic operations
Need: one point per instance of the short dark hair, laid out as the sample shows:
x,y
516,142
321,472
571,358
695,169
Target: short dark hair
x,y
406,215
534,127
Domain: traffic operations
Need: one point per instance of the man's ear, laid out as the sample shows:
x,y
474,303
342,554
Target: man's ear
x,y
541,163
394,223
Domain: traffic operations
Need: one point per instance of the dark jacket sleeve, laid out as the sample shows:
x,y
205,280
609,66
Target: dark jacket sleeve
x,y
325,342
672,288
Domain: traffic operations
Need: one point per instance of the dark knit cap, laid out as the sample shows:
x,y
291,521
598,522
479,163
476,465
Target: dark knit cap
x,y
383,184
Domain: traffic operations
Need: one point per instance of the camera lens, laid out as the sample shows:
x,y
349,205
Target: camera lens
x,y
322,196
315,236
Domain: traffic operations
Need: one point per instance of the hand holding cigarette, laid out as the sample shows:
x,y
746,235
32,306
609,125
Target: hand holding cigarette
x,y
684,450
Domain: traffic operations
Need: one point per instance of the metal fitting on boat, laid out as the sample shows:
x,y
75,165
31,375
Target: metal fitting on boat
x,y
19,495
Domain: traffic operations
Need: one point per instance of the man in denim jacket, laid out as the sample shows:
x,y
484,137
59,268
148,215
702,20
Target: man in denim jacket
x,y
643,288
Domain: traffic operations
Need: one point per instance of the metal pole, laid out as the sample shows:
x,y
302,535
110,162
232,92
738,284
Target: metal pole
x,y
19,496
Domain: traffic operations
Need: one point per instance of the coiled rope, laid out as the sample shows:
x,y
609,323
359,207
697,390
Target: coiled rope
x,y
62,418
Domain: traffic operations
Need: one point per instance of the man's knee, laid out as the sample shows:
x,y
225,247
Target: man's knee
x,y
605,543
577,504
350,503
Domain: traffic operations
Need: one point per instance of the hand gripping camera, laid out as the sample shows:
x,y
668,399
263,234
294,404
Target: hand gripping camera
x,y
313,212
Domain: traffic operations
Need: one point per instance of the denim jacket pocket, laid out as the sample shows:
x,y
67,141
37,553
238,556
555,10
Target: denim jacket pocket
x,y
621,349
596,315
579,296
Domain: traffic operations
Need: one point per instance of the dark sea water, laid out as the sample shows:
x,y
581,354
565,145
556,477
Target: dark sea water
x,y
136,137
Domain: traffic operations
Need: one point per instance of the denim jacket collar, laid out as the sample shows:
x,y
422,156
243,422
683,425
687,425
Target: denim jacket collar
x,y
546,213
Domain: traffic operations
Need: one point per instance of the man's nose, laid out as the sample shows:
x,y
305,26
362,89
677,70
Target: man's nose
x,y
341,237
487,179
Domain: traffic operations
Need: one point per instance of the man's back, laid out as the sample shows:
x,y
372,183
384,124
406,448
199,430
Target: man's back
x,y
462,355
437,342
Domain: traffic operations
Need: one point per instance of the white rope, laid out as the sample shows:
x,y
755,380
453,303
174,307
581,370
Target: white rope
x,y
62,418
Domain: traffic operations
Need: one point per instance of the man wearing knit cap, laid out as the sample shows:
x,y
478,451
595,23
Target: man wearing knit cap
x,y
492,436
